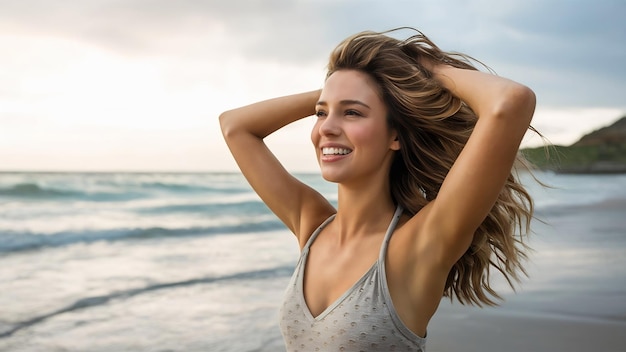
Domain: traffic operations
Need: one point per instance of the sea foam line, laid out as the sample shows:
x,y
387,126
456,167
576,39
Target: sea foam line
x,y
95,301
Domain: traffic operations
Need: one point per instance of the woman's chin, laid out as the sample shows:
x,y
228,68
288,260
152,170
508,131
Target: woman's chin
x,y
330,176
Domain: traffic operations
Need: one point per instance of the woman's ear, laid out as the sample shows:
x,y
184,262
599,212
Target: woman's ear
x,y
395,144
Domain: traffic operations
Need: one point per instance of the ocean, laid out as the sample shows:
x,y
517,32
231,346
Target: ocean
x,y
195,262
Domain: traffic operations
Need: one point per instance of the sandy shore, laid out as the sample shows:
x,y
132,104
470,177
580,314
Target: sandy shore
x,y
470,329
573,301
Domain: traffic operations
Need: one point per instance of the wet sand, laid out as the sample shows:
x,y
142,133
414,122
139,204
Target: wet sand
x,y
469,330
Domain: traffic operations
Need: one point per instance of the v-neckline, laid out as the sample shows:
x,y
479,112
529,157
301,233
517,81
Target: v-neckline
x,y
335,303
340,299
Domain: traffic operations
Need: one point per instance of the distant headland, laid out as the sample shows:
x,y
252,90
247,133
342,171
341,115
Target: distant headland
x,y
602,151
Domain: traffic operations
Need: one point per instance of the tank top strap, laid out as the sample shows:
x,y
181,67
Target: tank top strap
x,y
390,229
317,232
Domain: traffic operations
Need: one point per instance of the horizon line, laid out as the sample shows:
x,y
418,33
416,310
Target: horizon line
x,y
113,171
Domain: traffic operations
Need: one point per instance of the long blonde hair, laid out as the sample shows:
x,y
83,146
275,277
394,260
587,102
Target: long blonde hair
x,y
433,127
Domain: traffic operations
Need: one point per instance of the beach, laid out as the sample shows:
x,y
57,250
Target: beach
x,y
574,298
506,331
195,262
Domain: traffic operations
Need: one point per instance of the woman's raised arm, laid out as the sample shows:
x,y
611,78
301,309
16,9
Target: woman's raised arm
x,y
244,130
471,188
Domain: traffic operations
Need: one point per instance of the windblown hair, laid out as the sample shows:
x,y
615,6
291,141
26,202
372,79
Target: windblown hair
x,y
433,127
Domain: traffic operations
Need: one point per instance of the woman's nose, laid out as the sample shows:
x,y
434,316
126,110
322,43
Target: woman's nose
x,y
330,126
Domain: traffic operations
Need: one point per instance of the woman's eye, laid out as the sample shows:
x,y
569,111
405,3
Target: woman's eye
x,y
353,113
320,113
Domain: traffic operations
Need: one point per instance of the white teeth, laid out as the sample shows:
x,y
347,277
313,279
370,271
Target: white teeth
x,y
335,151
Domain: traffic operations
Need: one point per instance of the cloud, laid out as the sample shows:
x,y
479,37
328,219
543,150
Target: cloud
x,y
269,28
574,43
93,70
557,35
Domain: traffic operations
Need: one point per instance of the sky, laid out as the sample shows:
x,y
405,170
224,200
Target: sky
x,y
138,85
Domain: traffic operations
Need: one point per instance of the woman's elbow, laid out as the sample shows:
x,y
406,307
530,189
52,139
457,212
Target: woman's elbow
x,y
226,124
527,101
518,104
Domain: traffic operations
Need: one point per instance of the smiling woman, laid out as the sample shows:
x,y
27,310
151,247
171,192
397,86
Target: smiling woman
x,y
427,198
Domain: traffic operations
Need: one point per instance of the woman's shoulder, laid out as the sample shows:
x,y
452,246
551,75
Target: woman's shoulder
x,y
311,219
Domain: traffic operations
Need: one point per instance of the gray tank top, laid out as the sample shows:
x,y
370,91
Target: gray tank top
x,y
362,319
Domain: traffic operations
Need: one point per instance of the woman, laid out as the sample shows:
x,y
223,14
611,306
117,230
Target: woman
x,y
422,147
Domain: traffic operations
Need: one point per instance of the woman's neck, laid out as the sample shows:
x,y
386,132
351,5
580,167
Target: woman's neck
x,y
363,211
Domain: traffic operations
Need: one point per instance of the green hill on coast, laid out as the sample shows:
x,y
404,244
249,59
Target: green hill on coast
x,y
601,151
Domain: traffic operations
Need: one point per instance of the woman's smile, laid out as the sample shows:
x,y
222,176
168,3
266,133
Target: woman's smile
x,y
335,151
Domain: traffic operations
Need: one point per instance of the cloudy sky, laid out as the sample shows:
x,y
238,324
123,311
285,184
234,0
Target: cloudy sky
x,y
138,84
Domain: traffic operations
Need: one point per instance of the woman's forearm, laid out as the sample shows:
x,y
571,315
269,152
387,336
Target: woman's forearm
x,y
487,94
262,118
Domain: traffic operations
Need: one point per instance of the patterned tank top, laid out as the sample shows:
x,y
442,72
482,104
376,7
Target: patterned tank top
x,y
362,319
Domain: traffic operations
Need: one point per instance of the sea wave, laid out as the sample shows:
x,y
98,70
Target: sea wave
x,y
97,187
35,191
603,205
6,330
13,241
178,187
251,207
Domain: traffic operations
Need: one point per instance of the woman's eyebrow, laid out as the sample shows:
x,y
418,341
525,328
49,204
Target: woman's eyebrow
x,y
345,102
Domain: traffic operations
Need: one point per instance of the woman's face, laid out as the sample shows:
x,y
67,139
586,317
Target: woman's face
x,y
351,136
